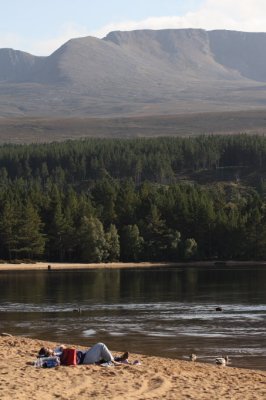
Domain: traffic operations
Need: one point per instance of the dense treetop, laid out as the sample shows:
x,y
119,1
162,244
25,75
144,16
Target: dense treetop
x,y
143,199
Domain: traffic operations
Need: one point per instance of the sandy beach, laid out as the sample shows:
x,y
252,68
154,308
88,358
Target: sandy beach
x,y
64,266
156,378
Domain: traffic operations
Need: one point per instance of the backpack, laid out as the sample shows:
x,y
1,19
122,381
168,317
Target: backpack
x,y
68,357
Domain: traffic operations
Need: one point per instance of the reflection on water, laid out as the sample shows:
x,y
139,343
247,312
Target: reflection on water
x,y
163,311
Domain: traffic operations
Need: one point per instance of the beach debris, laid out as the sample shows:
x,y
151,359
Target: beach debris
x,y
136,362
49,267
6,334
222,361
193,357
47,362
220,263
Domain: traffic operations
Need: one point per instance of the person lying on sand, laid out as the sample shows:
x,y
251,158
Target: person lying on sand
x,y
97,354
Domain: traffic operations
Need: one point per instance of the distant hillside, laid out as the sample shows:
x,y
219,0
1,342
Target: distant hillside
x,y
138,73
39,130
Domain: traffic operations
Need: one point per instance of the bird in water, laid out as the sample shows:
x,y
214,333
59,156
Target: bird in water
x,y
192,357
222,360
218,309
77,310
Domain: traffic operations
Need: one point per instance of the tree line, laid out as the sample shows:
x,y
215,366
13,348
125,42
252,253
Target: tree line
x,y
104,200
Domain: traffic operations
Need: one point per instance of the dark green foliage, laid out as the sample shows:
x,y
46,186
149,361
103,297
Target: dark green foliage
x,y
132,200
30,241
8,230
112,244
131,243
92,246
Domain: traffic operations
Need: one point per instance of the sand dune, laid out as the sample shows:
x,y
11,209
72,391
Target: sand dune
x,y
156,378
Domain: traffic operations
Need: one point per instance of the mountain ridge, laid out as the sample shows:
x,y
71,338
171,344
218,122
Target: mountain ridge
x,y
136,73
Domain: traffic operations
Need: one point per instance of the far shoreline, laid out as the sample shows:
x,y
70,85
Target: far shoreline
x,y
120,265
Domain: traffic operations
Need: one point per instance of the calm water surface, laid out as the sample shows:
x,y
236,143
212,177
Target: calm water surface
x,y
163,311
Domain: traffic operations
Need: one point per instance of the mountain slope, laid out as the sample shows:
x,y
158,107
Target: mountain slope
x,y
138,72
15,65
243,52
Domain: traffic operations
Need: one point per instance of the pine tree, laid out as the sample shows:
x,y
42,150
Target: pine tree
x,y
8,230
131,243
92,243
30,239
112,243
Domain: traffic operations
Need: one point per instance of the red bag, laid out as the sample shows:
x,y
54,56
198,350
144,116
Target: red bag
x,y
68,357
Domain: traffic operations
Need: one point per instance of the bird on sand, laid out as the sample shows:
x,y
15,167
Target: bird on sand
x,y
192,357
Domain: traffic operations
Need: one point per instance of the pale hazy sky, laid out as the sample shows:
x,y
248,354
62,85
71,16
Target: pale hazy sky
x,y
41,26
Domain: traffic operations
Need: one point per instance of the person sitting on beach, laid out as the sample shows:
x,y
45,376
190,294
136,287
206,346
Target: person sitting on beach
x,y
97,354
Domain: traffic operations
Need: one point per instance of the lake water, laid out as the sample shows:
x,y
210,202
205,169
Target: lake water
x,y
161,311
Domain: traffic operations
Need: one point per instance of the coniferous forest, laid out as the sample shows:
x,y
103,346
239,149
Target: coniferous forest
x,y
163,199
